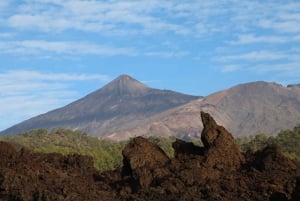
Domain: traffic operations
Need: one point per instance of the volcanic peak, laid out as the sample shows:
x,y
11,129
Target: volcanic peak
x,y
125,85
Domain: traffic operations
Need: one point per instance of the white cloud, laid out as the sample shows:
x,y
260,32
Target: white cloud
x,y
61,47
230,68
6,35
58,48
289,26
255,56
106,17
250,38
291,69
39,76
167,54
24,94
154,17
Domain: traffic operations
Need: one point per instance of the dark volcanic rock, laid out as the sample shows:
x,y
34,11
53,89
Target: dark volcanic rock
x,y
30,176
217,171
182,148
296,193
142,159
7,150
140,153
220,150
271,158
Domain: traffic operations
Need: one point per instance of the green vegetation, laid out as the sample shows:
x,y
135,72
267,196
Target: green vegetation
x,y
108,154
164,143
288,141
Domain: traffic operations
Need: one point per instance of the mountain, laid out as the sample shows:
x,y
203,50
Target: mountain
x,y
245,109
121,104
255,108
126,108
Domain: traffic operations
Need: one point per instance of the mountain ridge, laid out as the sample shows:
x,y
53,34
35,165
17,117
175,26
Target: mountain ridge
x,y
125,108
122,103
245,109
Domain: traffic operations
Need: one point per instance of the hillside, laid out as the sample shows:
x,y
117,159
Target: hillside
x,y
125,108
121,104
246,109
256,108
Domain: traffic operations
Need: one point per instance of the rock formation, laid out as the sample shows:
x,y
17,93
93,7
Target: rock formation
x,y
143,160
217,171
220,150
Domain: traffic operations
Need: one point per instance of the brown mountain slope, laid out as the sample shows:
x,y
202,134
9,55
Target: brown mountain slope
x,y
257,107
123,103
246,109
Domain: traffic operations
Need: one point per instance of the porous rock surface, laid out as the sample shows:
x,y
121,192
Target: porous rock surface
x,y
217,171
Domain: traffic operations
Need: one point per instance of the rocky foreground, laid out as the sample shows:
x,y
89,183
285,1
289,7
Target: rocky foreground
x,y
217,171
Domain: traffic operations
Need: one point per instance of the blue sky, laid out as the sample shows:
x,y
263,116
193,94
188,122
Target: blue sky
x,y
53,52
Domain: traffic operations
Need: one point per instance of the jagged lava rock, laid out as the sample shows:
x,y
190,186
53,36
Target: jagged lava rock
x,y
271,158
141,153
186,148
29,176
220,150
141,159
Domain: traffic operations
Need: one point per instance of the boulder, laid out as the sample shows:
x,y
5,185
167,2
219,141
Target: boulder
x,y
142,159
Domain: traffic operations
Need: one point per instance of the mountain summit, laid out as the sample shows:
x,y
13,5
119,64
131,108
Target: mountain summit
x,y
125,85
121,104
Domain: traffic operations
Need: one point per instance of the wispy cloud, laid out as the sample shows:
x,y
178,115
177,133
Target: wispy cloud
x,y
124,17
154,17
229,68
128,20
24,94
27,75
62,47
167,54
6,35
105,17
287,26
282,69
250,38
255,56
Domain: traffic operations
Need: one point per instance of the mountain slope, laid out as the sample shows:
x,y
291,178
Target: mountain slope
x,y
258,107
245,109
126,108
121,104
